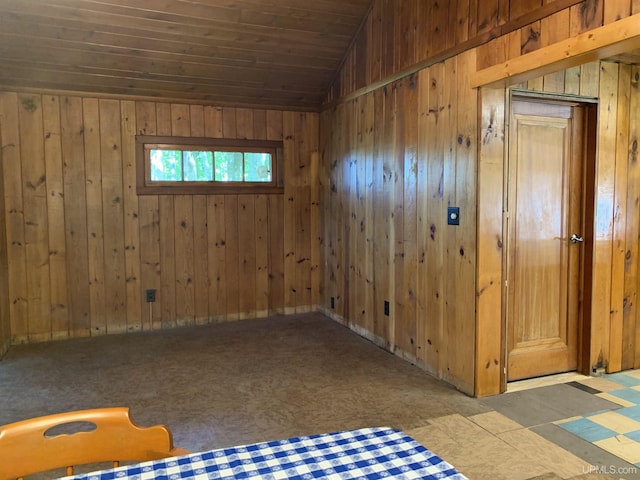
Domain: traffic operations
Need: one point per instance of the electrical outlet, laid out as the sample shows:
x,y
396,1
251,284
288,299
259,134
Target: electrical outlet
x,y
151,295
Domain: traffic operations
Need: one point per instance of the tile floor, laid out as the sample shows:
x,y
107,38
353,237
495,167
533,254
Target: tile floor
x,y
615,430
490,446
560,422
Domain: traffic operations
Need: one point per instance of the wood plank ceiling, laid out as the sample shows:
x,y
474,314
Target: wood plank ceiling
x,y
272,53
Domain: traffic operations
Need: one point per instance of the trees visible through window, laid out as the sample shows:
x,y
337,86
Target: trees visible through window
x,y
208,166
179,165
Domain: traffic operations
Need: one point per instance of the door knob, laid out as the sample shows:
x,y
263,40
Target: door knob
x,y
576,239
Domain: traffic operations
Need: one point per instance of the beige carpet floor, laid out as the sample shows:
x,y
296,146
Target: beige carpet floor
x,y
265,379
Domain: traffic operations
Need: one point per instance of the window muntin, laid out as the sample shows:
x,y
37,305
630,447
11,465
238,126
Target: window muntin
x,y
191,165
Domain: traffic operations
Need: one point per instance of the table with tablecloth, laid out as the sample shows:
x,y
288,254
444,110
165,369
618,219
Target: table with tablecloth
x,y
367,453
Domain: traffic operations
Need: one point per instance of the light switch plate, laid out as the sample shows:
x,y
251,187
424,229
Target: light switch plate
x,y
453,215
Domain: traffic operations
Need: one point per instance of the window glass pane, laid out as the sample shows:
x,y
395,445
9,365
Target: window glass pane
x,y
257,167
198,166
166,165
228,166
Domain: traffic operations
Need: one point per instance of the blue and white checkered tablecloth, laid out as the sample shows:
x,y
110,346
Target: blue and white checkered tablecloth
x,y
368,453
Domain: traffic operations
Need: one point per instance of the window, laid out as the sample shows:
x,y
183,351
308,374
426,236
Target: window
x,y
184,165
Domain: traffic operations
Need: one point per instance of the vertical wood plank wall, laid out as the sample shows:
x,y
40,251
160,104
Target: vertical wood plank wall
x,y
83,246
398,149
395,159
615,326
394,40
5,321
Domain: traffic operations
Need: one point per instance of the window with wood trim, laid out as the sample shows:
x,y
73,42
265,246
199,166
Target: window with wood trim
x,y
189,165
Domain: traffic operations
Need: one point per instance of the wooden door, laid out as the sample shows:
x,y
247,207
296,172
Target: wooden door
x,y
545,209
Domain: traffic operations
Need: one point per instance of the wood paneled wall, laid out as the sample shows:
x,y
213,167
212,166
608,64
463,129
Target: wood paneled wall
x,y
5,322
83,247
394,160
397,40
562,24
616,260
625,342
399,148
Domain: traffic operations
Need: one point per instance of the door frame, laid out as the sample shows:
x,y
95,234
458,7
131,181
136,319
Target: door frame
x,y
589,129
490,360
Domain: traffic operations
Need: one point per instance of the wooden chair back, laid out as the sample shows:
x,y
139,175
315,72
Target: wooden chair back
x,y
33,446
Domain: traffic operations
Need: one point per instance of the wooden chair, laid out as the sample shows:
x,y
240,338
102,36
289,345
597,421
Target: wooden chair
x,y
32,446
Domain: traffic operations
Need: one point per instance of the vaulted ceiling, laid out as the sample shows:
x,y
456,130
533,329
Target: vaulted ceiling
x,y
274,53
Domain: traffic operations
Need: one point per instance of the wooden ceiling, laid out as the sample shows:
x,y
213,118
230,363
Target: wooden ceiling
x,y
271,53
